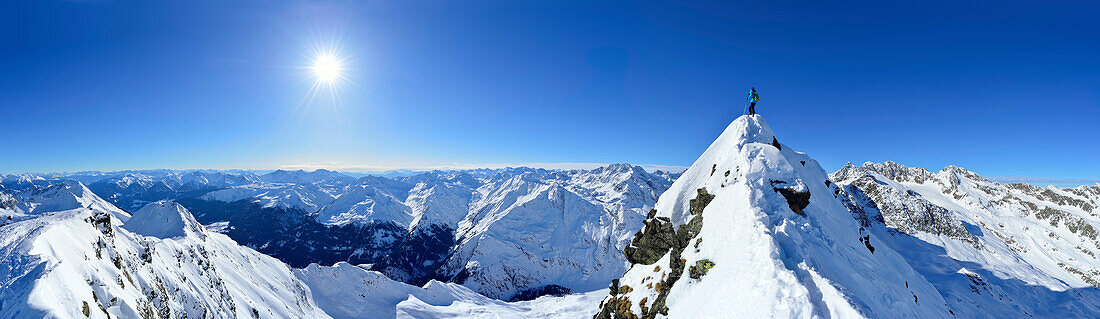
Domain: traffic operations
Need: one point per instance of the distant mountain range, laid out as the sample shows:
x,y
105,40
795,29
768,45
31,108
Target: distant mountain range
x,y
753,228
498,231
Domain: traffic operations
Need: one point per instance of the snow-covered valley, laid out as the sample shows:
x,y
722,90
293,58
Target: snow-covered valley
x,y
752,229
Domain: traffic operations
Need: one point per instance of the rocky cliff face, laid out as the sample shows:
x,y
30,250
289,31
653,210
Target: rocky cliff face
x,y
899,208
531,231
988,241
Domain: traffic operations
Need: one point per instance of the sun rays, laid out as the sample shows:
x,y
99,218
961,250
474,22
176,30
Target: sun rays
x,y
327,69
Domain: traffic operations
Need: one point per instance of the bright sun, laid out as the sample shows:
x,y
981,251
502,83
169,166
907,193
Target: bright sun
x,y
326,68
329,71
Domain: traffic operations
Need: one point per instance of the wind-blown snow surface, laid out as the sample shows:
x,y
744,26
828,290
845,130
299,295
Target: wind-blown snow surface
x,y
757,255
78,262
347,291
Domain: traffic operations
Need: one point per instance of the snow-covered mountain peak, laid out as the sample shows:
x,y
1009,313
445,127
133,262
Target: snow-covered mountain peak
x,y
130,179
439,200
901,173
897,171
22,180
1027,243
305,177
744,140
754,229
523,173
65,189
618,168
959,171
613,172
620,184
79,263
164,219
744,130
62,196
364,203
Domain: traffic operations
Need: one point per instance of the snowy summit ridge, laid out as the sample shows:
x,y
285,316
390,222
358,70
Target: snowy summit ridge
x,y
64,196
79,263
756,229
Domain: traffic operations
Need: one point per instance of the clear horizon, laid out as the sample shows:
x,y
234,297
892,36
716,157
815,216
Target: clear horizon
x,y
120,85
1039,181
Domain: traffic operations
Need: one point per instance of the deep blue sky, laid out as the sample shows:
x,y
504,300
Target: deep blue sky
x,y
1007,88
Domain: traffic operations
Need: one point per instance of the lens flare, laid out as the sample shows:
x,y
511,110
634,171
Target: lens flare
x,y
328,72
327,68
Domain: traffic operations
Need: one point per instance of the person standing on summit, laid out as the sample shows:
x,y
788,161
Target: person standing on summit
x,y
753,98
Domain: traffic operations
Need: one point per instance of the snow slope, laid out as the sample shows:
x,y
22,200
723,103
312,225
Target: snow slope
x,y
164,219
507,233
988,247
736,235
348,291
529,230
364,203
79,263
63,196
